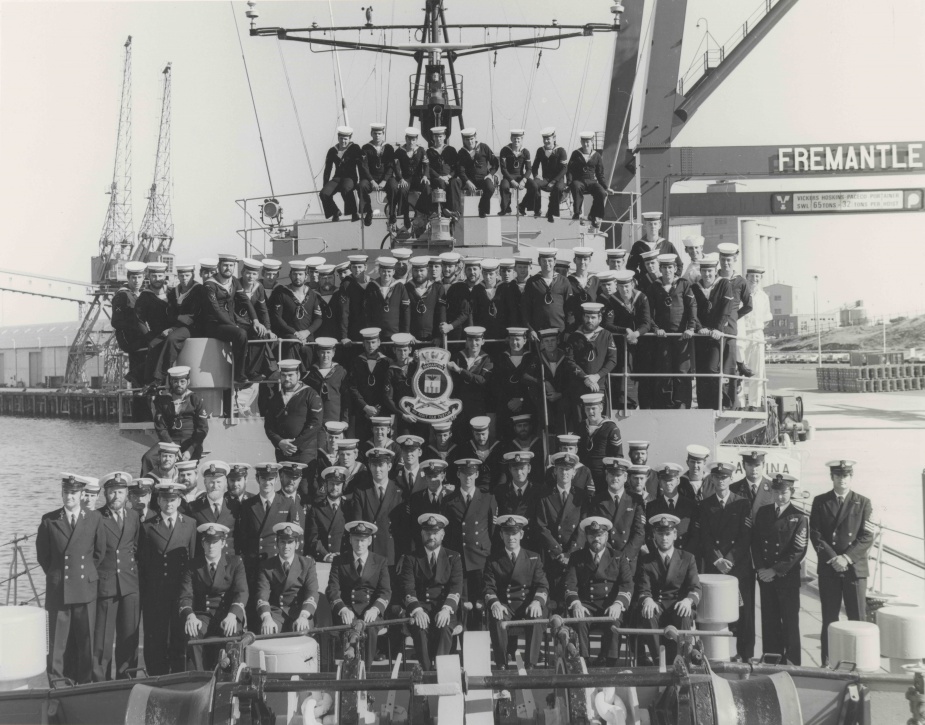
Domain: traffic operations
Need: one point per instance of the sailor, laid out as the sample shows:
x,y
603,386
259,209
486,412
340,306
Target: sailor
x,y
511,289
139,497
568,443
622,509
670,501
545,295
516,173
167,545
184,302
387,305
411,173
295,311
213,594
215,507
451,271
287,586
520,494
471,513
586,176
616,259
674,321
117,605
90,494
180,416
237,483
324,532
599,438
441,165
697,483
312,275
428,499
752,348
223,296
716,313
329,380
476,166
598,583
649,272
459,299
754,485
130,331
668,586
432,581
153,310
651,241
348,452
526,440
165,465
330,302
693,247
291,474
403,266
842,531
723,535
407,472
516,587
353,300
584,285
377,172
780,533
341,169
270,273
207,268
428,302
549,172
441,443
381,438
188,477
70,546
484,447
368,373
359,585
484,300
294,415
312,486
546,374
637,483
472,372
558,515
638,453
733,362
259,357
592,356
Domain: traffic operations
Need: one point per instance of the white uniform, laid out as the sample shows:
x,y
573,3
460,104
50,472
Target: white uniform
x,y
752,326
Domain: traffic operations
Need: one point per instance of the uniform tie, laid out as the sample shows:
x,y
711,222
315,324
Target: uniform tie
x,y
433,560
266,506
468,498
513,557
754,490
671,505
119,519
380,492
212,570
73,520
286,568
169,524
722,503
520,494
667,560
359,567
563,495
433,499
217,509
778,511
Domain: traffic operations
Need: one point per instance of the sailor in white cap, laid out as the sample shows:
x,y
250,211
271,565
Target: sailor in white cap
x,y
510,291
516,173
598,439
432,581
511,395
90,493
130,331
293,416
484,447
329,381
584,285
377,172
717,310
441,169
476,166
167,545
287,586
184,301
459,293
697,483
452,270
428,300
411,172
486,309
153,311
388,306
651,240
270,273
258,356
341,174
403,268
693,247
549,174
367,375
752,347
296,313
213,595
471,368
594,356
616,259
207,267
586,171
353,298
545,294
733,360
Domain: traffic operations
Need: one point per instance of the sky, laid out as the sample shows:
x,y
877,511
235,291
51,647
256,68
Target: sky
x,y
831,71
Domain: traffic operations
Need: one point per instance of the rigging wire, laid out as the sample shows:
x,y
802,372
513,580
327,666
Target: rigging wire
x,y
343,100
250,88
295,110
491,95
581,91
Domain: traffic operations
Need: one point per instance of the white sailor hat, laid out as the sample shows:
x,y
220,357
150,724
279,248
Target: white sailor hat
x,y
522,418
314,262
506,263
185,267
431,522
215,468
548,332
592,399
189,465
344,131
614,463
358,258
271,263
227,257
214,531
386,262
438,129
135,267
337,474
592,307
669,470
342,268
618,253
568,439
754,269
474,331
299,265
727,249
434,466
639,470
649,255
412,131
522,259
93,484
638,445
208,263
450,257
624,276
695,241
289,365
370,333
169,488
472,262
157,267
651,216
325,343
722,469
442,427
595,525
606,276
700,453
380,421
401,253
480,422
512,522
420,261
665,259
335,426
178,371
561,262
348,444
548,131
664,521
410,441
546,252
490,265
253,264
564,459
584,135
377,126
709,260
516,458
361,528
467,132
583,251
287,530
516,331
117,479
402,339
517,132
168,447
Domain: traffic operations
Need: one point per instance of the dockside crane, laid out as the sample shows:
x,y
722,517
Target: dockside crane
x,y
156,233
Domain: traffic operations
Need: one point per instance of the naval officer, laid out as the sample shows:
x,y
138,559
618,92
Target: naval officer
x,y
287,586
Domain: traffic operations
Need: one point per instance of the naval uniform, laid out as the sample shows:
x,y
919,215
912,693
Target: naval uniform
x,y
388,309
359,591
427,310
739,286
324,530
779,543
716,310
621,316
331,386
491,464
295,416
183,420
291,313
367,388
154,313
118,609
542,304
760,495
212,591
549,174
398,386
588,354
259,357
543,378
841,529
163,556
471,385
524,501
70,556
411,167
674,310
598,582
341,169
469,532
515,584
478,166
487,313
377,163
202,510
130,334
458,308
432,581
586,176
185,310
221,320
389,512
634,260
627,516
515,167
685,509
557,518
507,298
352,309
287,590
440,163
596,444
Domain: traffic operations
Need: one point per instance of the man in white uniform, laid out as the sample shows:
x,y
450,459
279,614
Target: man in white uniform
x,y
752,392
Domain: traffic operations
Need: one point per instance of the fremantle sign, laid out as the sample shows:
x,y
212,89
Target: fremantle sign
x,y
432,386
860,157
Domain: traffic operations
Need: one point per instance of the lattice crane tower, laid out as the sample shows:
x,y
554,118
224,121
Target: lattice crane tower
x,y
156,234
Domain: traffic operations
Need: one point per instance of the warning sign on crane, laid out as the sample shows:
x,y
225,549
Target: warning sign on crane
x,y
848,201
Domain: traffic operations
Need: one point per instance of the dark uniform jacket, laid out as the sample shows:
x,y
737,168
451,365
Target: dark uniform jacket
x,y
118,570
259,301
581,480
391,313
377,164
620,316
289,315
254,535
474,165
154,313
848,531
594,356
130,330
491,468
667,586
432,588
185,307
586,169
345,166
542,305
634,260
593,446
515,584
220,304
471,385
324,529
390,514
420,503
557,524
487,313
427,310
763,496
470,527
628,517
287,594
298,420
70,557
217,597
739,286
508,299
352,308
331,303
527,505
163,555
515,165
368,388
458,308
442,162
359,592
600,585
716,309
685,509
581,293
722,532
552,165
202,513
675,309
186,424
779,543
332,389
398,386
534,446
410,167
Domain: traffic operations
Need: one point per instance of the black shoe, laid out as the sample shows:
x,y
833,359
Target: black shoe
x,y
336,217
482,215
550,218
538,215
241,381
355,217
576,217
368,220
521,210
745,370
393,221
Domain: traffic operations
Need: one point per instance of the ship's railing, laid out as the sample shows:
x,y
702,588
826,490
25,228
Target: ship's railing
x,y
20,567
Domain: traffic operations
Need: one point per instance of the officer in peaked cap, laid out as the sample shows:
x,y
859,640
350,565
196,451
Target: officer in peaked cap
x,y
407,471
842,530
754,486
216,507
622,509
780,534
287,586
516,588
291,475
558,514
324,528
671,502
432,581
213,594
598,583
359,584
237,483
519,494
428,499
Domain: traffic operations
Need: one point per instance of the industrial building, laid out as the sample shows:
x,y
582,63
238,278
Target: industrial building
x,y
35,356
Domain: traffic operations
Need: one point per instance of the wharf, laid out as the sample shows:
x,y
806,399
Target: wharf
x,y
92,406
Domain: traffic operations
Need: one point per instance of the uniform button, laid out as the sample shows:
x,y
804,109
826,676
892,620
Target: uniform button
x,y
65,576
